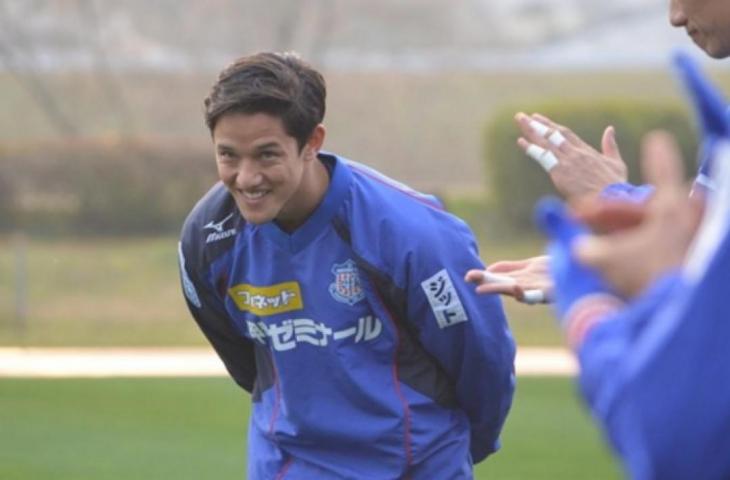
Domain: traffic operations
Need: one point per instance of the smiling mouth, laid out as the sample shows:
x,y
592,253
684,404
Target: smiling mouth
x,y
254,195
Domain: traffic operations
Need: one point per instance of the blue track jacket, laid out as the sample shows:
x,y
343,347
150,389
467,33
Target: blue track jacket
x,y
656,373
367,354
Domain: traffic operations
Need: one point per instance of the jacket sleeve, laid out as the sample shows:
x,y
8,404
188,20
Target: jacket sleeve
x,y
656,377
466,333
627,191
235,350
643,367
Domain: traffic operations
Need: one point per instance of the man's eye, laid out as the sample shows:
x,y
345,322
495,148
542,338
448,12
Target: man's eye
x,y
269,155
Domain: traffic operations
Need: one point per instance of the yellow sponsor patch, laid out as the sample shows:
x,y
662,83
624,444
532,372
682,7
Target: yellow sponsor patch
x,y
269,300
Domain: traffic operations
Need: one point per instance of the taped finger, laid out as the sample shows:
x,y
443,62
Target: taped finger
x,y
539,127
544,157
556,138
490,277
533,297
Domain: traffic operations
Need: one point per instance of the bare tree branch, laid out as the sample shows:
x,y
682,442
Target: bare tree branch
x,y
15,45
104,73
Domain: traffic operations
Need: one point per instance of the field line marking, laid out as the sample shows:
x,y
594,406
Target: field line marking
x,y
38,362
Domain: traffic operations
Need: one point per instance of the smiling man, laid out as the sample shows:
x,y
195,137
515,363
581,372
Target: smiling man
x,y
706,21
334,295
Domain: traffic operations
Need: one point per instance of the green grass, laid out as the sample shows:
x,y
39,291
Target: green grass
x,y
97,292
196,428
125,292
549,435
120,429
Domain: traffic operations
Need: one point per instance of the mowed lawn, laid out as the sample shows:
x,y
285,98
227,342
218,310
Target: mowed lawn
x,y
126,292
196,428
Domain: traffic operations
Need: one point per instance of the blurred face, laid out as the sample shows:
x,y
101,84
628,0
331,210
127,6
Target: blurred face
x,y
706,21
265,171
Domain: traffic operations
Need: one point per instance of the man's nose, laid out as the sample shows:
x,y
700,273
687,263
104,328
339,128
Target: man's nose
x,y
677,17
248,175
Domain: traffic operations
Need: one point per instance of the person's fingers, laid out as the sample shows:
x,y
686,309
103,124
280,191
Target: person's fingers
x,y
609,146
523,143
533,297
556,138
609,216
594,251
490,277
474,276
539,133
543,156
530,296
506,266
481,277
661,160
532,131
501,289
567,133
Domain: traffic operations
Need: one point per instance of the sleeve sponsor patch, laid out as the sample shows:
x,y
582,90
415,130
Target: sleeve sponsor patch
x,y
444,300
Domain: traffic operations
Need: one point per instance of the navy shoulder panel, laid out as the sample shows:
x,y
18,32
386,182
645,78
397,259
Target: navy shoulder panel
x,y
211,227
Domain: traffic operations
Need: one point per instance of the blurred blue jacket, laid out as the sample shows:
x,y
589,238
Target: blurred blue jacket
x,y
656,372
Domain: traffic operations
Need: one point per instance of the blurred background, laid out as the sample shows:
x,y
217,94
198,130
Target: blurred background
x,y
103,151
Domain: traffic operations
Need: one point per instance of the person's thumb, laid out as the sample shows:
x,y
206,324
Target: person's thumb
x,y
609,145
592,251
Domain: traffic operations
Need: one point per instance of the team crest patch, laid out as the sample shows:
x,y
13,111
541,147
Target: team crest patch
x,y
347,287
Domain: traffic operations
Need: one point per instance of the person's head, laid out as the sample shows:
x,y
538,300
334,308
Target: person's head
x,y
706,21
264,114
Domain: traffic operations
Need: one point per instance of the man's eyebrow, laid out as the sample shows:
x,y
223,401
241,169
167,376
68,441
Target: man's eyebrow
x,y
223,146
267,145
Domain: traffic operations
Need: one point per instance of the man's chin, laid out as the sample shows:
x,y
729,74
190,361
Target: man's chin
x,y
717,52
255,219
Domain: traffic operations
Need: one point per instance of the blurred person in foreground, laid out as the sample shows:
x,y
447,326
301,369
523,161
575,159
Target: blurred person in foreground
x,y
644,305
578,170
334,295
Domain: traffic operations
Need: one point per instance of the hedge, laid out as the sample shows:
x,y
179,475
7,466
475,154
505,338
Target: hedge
x,y
102,185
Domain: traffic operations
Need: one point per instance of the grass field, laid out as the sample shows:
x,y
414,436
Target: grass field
x,y
195,428
126,292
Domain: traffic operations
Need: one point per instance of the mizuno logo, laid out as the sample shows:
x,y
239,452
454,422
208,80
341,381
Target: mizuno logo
x,y
217,226
218,232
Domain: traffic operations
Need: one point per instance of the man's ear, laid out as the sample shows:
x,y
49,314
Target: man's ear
x,y
315,142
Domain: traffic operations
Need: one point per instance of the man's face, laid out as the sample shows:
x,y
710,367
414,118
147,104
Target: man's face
x,y
263,168
706,21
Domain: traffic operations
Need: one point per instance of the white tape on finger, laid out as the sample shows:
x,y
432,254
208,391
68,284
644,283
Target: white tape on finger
x,y
533,297
539,127
490,277
548,160
556,138
545,158
535,152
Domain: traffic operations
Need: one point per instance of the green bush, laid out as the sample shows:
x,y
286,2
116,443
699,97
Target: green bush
x,y
516,182
7,198
106,185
